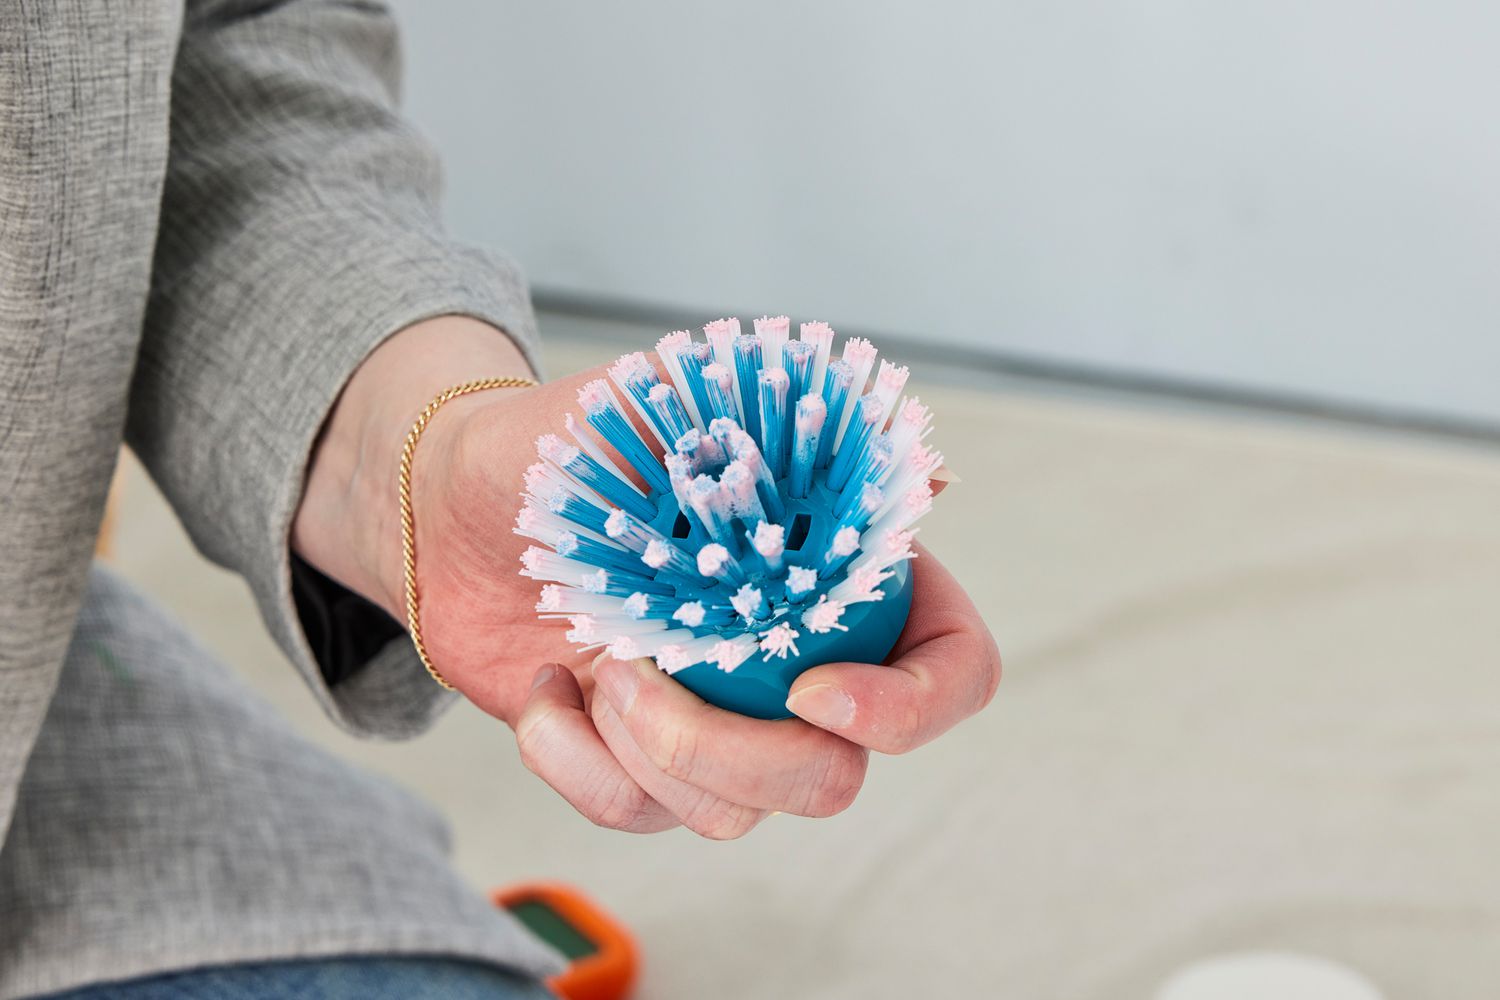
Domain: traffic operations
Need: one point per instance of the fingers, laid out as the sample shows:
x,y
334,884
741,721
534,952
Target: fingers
x,y
785,765
942,477
946,668
703,812
558,743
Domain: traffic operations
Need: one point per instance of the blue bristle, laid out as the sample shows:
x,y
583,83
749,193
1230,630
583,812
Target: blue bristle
x,y
747,366
666,410
578,510
872,468
867,500
836,383
720,393
596,553
637,381
616,428
584,468
856,436
625,584
797,358
773,419
694,358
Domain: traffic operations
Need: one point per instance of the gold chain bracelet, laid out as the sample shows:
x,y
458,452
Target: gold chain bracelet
x,y
408,523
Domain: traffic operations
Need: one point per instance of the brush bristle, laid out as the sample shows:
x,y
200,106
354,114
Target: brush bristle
x,y
706,563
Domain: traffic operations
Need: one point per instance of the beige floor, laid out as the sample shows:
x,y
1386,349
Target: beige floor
x,y
1250,702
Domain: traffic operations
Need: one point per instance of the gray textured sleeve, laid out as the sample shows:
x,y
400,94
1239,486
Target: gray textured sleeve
x,y
299,229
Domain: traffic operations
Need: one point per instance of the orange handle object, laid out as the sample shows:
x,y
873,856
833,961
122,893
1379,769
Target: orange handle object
x,y
604,957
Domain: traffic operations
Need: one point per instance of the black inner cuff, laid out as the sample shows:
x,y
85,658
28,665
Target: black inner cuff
x,y
344,630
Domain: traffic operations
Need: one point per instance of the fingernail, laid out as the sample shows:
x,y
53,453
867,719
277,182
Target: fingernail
x,y
823,705
943,474
619,682
545,674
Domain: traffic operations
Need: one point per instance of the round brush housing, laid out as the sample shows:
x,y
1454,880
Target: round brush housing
x,y
773,533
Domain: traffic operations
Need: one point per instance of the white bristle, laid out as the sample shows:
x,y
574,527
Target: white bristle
x,y
690,614
780,640
721,334
738,484
770,542
631,532
667,348
889,383
800,580
913,473
845,542
910,425
820,335
747,602
711,558
861,585
715,561
824,616
554,449
572,600
885,550
657,554
541,524
773,332
539,564
593,631
629,647
681,653
860,354
728,654
902,511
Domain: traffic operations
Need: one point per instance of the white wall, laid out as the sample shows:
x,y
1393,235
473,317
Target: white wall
x,y
1302,197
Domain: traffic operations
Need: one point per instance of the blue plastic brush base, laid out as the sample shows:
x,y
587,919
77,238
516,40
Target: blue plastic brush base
x,y
759,686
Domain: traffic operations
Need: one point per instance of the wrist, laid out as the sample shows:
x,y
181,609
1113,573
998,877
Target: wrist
x,y
348,524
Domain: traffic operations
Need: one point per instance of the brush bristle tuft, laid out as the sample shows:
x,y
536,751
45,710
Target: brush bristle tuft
x,y
784,490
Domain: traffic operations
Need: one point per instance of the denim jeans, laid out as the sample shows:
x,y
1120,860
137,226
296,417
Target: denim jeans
x,y
348,978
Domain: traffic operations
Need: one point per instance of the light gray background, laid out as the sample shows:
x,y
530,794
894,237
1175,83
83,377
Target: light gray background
x,y
1291,197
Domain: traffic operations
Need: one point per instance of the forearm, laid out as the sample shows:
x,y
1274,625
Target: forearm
x,y
348,522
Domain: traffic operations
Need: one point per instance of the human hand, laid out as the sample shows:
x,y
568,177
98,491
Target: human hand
x,y
478,615
646,754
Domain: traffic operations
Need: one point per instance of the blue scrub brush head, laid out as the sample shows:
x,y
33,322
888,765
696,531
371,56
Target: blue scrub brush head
x,y
773,536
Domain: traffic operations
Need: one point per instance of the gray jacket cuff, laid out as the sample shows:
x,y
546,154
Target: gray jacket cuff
x,y
391,695
227,425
